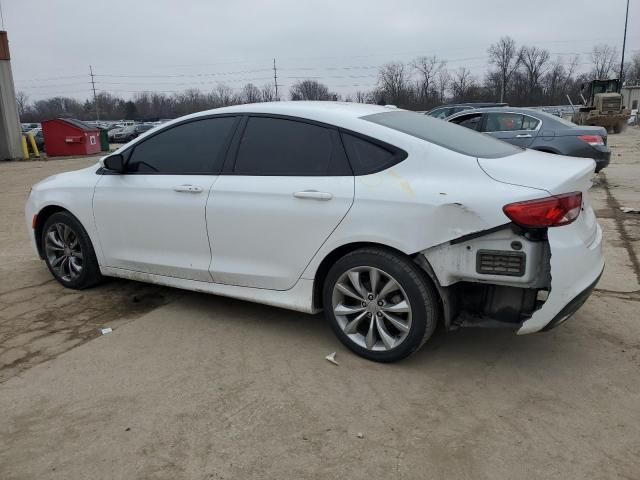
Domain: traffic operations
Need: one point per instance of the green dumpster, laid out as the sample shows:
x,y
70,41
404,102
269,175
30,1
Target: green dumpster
x,y
104,140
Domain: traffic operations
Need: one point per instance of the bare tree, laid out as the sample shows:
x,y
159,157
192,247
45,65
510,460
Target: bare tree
x,y
22,99
427,68
393,83
605,60
534,60
309,90
443,80
555,81
268,93
362,97
493,84
504,56
462,83
222,96
632,69
250,94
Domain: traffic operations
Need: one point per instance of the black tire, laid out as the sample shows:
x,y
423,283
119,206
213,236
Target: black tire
x,y
619,127
420,294
89,273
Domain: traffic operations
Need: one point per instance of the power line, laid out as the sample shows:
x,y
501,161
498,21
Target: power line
x,y
237,80
43,79
56,86
180,75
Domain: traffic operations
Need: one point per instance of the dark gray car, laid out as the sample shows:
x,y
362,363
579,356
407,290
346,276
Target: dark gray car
x,y
538,130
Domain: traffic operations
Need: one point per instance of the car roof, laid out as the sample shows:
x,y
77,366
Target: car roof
x,y
522,110
334,113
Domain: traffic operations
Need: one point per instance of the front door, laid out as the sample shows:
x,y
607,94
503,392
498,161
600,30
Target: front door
x,y
151,218
289,188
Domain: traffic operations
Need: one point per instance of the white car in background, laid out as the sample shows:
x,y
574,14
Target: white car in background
x,y
391,221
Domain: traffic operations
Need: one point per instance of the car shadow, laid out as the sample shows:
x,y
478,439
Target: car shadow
x,y
466,348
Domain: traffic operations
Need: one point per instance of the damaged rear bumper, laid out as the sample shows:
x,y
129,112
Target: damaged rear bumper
x,y
576,266
572,307
561,266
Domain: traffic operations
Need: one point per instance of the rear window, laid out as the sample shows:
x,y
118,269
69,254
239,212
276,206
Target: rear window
x,y
444,134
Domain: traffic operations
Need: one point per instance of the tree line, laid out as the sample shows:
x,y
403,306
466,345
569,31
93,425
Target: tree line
x,y
520,75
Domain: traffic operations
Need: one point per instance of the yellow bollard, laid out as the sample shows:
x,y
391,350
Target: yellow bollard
x,y
34,147
25,150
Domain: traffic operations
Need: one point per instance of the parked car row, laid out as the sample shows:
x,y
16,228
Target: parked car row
x,y
128,133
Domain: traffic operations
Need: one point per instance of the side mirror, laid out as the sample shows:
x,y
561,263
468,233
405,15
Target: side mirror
x,y
114,163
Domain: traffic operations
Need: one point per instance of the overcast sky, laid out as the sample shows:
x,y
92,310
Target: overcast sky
x,y
171,45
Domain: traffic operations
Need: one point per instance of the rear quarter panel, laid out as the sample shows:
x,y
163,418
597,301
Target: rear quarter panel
x,y
434,196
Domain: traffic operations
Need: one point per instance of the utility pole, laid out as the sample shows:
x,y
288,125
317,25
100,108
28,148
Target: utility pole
x,y
624,43
275,78
95,98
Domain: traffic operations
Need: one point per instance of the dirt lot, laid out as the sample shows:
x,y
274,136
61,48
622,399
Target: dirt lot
x,y
196,386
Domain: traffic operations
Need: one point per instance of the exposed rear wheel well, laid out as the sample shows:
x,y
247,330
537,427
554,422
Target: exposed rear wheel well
x,y
340,252
41,219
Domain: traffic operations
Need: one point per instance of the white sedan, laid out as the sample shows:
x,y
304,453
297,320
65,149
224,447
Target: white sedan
x,y
391,221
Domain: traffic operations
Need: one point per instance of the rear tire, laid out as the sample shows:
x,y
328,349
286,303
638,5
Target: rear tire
x,y
68,252
380,304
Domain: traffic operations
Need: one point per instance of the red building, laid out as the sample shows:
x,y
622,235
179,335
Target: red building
x,y
67,136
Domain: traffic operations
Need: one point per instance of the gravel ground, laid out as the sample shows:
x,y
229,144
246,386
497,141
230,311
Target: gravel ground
x,y
196,386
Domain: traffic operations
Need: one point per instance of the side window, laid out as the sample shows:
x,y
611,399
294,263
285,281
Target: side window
x,y
367,157
439,113
194,147
634,105
275,146
529,123
503,122
471,122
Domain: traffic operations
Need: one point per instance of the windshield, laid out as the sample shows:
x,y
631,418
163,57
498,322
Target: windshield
x,y
445,134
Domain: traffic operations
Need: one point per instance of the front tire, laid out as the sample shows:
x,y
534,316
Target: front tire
x,y
68,252
380,304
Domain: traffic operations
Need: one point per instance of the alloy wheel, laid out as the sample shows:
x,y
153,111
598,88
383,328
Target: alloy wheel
x,y
371,308
63,251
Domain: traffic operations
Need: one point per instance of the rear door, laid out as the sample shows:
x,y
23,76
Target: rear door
x,y
515,128
286,188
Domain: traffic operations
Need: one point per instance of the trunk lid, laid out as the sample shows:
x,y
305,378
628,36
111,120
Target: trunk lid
x,y
554,174
582,130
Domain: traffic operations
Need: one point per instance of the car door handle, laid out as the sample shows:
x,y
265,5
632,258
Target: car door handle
x,y
314,195
523,135
187,189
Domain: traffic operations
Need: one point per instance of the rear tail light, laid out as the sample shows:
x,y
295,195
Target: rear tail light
x,y
545,212
592,140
